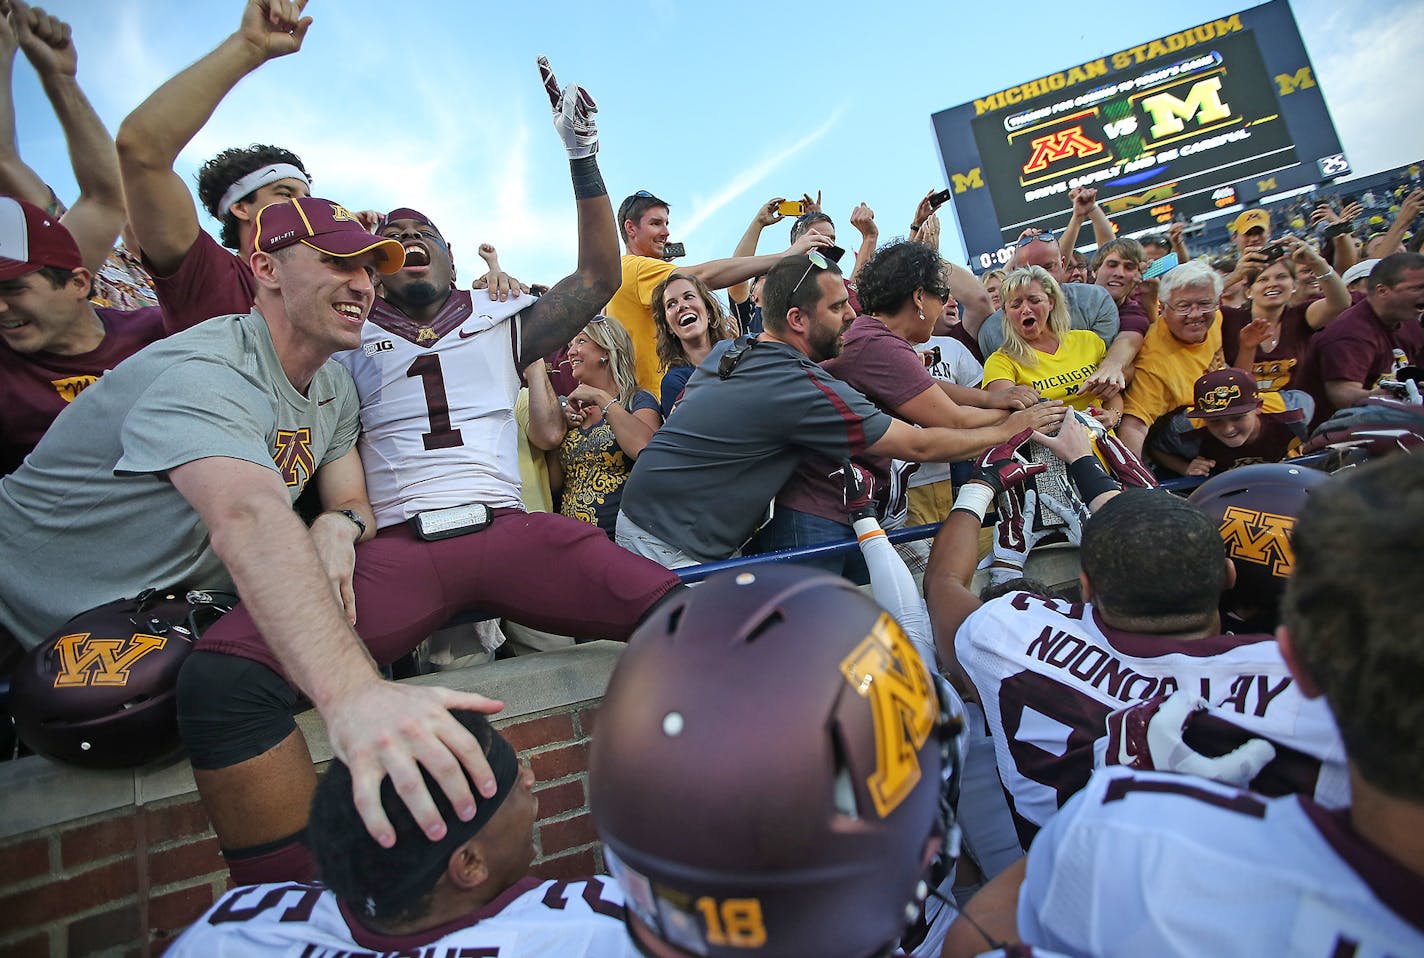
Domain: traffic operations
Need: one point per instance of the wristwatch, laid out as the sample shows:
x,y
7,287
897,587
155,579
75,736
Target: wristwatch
x,y
351,514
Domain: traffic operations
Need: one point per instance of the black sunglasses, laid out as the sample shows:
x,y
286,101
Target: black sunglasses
x,y
1045,237
732,356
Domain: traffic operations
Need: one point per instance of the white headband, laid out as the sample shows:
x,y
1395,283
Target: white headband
x,y
258,179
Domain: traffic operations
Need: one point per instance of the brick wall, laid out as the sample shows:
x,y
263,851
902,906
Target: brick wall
x,y
125,881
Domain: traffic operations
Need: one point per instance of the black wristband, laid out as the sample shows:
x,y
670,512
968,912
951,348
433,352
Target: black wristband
x,y
1090,478
588,181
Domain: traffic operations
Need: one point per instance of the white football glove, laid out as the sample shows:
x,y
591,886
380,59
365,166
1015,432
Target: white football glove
x,y
1148,736
573,114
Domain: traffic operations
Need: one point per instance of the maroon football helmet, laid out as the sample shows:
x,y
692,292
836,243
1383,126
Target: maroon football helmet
x,y
767,770
1255,507
100,692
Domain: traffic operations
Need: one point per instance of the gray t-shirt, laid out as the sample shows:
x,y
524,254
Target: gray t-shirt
x,y
1089,307
702,483
91,517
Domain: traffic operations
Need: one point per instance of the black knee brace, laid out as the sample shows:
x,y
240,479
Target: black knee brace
x,y
231,709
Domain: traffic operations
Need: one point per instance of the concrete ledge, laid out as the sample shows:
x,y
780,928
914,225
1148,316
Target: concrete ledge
x,y
36,793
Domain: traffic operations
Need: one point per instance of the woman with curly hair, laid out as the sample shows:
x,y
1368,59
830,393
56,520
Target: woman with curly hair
x,y
1041,350
688,321
903,290
610,421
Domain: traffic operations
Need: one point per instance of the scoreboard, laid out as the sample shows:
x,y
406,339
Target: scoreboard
x,y
1208,117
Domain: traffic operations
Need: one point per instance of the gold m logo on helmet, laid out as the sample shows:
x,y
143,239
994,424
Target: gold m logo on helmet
x,y
88,661
1259,537
292,455
886,669
339,212
1220,397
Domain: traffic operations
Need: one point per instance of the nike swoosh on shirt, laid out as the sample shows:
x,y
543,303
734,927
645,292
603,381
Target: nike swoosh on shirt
x,y
323,402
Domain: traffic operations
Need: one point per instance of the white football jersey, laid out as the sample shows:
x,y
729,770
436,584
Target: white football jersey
x,y
555,919
1048,672
1147,863
437,406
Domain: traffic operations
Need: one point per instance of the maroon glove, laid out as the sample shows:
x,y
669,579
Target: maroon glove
x,y
1001,468
1126,467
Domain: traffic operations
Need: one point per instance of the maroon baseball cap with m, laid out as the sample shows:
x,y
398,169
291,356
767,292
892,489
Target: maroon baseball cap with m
x,y
31,238
1223,392
325,226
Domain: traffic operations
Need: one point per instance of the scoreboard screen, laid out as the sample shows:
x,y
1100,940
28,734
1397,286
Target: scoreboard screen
x,y
1205,118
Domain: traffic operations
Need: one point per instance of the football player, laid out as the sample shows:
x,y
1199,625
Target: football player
x,y
467,894
767,771
1248,875
437,373
1049,672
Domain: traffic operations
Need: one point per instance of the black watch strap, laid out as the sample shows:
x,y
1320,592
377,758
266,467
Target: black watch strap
x,y
354,517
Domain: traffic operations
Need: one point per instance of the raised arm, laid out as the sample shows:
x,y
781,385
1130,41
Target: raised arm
x,y
16,177
161,209
1337,297
275,565
766,215
574,300
863,219
1085,199
546,417
721,273
97,214
973,299
1408,210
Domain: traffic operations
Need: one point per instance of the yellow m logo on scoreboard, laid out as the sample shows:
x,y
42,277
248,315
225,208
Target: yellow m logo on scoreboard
x,y
963,182
89,661
1301,80
885,669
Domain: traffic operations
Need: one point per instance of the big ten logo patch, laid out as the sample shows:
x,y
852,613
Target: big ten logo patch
x,y
886,670
72,386
1259,537
85,660
292,454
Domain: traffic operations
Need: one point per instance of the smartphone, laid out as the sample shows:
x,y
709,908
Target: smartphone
x,y
674,250
1334,230
791,207
931,357
939,199
1273,252
1160,265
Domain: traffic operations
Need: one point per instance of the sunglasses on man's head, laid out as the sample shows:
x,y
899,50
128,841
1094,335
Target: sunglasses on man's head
x,y
817,262
1045,237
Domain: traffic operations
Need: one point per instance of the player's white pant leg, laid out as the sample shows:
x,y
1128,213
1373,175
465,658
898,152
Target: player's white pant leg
x,y
989,834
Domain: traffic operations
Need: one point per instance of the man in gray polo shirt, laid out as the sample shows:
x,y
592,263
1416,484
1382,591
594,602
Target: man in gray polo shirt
x,y
751,410
179,469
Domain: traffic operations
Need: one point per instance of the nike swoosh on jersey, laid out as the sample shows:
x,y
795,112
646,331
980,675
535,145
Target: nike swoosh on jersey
x,y
323,402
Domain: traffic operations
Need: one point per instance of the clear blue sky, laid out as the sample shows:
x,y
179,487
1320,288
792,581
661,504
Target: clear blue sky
x,y
715,107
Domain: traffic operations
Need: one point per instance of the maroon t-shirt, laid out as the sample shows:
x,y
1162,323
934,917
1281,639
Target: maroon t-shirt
x,y
1358,348
1281,434
36,387
971,343
211,281
1278,368
889,372
1131,317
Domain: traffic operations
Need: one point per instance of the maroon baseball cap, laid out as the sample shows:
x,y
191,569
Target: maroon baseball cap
x,y
1223,392
31,238
323,225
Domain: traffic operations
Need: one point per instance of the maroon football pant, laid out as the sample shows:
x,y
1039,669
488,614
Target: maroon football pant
x,y
540,569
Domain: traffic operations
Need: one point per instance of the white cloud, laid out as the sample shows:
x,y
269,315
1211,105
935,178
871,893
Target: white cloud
x,y
705,209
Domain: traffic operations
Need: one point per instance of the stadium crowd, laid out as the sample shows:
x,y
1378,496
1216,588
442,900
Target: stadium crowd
x,y
325,425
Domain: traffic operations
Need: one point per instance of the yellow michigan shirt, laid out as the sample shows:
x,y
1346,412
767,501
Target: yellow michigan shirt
x,y
1057,375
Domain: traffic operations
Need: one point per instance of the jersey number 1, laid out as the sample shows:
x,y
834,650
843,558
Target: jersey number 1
x,y
432,377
